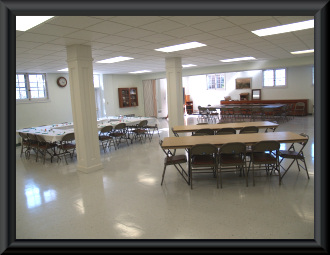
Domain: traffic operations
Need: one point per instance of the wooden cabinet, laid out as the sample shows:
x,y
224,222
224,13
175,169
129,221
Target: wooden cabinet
x,y
290,102
189,107
128,97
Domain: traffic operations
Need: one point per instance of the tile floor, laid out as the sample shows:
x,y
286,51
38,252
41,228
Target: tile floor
x,y
126,201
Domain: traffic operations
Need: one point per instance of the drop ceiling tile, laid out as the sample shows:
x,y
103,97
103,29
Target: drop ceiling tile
x,y
86,35
183,31
74,21
192,20
135,33
38,38
49,29
213,25
242,20
162,26
108,27
27,45
135,21
111,39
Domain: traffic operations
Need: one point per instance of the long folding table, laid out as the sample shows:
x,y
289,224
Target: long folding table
x,y
239,125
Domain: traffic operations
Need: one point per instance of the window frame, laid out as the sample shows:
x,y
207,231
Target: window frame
x,y
274,79
29,98
216,84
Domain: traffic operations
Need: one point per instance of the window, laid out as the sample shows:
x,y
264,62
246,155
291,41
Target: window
x,y
215,81
274,78
31,87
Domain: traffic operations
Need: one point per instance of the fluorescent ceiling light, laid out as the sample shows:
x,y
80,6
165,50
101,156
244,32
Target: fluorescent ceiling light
x,y
188,65
63,70
285,28
237,59
184,46
24,23
113,60
302,51
142,71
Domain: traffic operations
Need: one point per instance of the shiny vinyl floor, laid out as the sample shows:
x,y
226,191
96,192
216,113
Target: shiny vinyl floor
x,y
126,201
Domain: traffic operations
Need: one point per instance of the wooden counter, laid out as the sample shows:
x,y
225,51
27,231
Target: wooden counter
x,y
291,102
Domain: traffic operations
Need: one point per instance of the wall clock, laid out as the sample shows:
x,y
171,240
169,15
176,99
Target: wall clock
x,y
62,82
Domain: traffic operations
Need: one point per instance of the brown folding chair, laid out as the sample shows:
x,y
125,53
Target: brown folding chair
x,y
225,131
174,160
106,139
203,158
66,146
265,155
232,157
295,155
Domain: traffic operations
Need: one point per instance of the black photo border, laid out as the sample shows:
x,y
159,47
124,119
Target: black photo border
x,y
11,8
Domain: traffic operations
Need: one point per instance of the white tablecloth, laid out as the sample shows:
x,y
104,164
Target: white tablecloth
x,y
55,132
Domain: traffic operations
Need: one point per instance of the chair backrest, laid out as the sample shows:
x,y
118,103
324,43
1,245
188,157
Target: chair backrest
x,y
249,129
203,149
204,131
106,129
263,146
304,142
32,137
40,138
233,148
120,126
203,123
68,137
225,131
202,109
23,135
143,123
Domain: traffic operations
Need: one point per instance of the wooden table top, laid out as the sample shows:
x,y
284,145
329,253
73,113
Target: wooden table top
x,y
218,140
239,125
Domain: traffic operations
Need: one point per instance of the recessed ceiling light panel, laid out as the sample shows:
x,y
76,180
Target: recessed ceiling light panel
x,y
285,28
113,60
237,59
302,51
188,65
184,46
142,71
63,70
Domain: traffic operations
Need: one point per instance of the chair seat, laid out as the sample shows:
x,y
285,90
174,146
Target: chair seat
x,y
104,137
67,146
176,159
260,157
140,131
203,160
228,159
290,154
117,134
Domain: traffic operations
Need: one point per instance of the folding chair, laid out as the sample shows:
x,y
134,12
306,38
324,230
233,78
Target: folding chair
x,y
174,160
295,155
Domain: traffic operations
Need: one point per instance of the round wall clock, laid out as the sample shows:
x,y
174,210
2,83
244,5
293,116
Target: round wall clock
x,y
62,82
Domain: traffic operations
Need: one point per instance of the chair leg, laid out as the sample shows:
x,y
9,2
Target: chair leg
x,y
163,174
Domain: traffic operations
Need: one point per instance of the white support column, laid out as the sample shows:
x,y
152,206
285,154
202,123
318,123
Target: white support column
x,y
174,92
79,58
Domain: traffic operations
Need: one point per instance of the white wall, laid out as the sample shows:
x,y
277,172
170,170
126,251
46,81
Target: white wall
x,y
299,86
111,84
56,110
